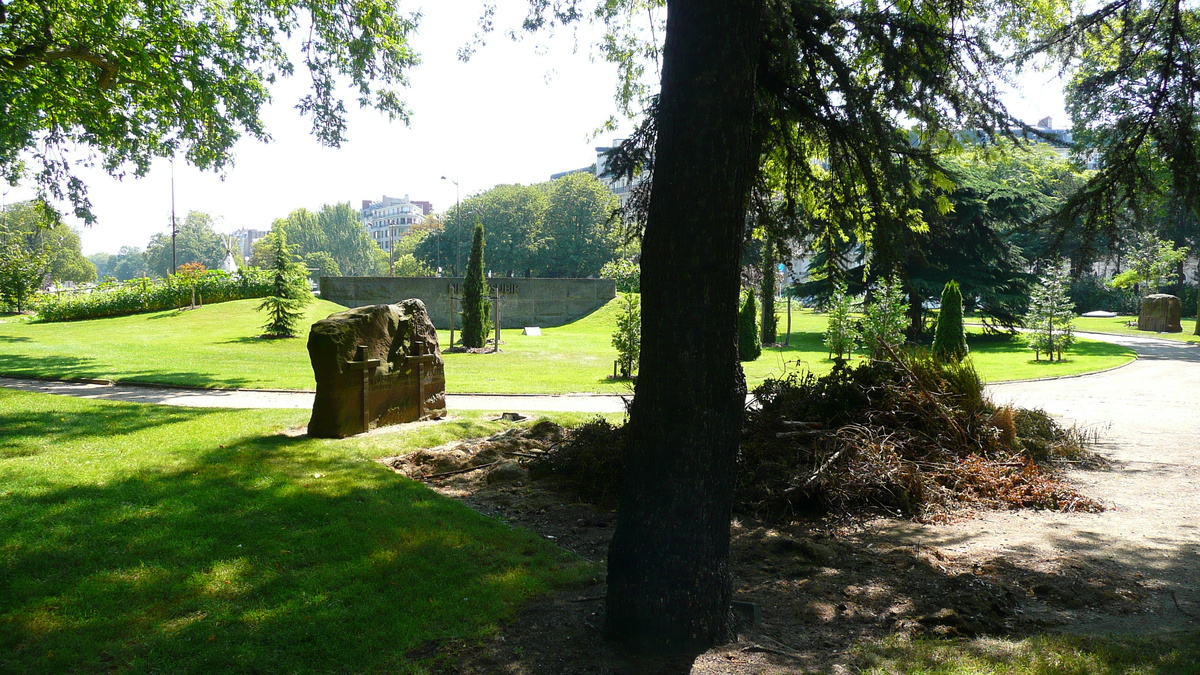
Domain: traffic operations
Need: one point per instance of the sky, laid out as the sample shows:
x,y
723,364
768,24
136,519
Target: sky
x,y
515,113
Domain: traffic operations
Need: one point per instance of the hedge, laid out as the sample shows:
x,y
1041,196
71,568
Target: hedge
x,y
150,295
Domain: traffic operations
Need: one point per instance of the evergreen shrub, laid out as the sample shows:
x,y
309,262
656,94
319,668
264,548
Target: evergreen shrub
x,y
475,305
950,340
749,346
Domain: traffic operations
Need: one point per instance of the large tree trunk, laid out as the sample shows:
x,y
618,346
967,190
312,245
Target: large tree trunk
x,y
669,584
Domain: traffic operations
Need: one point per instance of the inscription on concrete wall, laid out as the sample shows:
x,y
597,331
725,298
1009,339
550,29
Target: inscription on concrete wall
x,y
527,302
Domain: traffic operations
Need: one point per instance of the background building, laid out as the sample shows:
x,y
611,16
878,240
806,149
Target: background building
x,y
392,217
244,240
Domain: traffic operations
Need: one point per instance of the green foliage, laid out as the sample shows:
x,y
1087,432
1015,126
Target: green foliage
x,y
840,332
402,262
336,231
321,264
577,236
21,274
627,338
884,319
138,296
195,242
36,248
950,340
1153,262
561,228
134,81
770,322
475,305
289,292
626,272
749,346
1089,293
1051,317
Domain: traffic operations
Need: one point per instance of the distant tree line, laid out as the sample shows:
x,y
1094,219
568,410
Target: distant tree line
x,y
560,228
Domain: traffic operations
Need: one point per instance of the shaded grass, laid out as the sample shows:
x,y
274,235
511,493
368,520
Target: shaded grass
x,y
217,346
146,538
1170,654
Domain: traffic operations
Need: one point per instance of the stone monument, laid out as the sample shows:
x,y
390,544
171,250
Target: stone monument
x,y
1160,313
375,366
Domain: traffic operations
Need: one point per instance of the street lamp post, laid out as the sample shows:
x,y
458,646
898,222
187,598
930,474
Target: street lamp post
x,y
456,211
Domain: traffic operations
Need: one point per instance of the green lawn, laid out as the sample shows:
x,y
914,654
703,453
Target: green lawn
x,y
1117,325
140,538
217,346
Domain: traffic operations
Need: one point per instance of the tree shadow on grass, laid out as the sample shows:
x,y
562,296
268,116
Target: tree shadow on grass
x,y
74,367
15,338
28,433
268,555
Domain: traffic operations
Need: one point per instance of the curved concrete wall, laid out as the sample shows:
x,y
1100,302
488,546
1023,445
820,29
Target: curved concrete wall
x,y
523,302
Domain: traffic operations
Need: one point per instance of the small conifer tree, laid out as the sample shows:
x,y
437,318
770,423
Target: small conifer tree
x,y
289,291
770,322
1051,317
884,319
950,341
749,347
475,305
839,331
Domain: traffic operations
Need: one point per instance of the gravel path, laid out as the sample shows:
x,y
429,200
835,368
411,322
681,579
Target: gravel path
x,y
1144,416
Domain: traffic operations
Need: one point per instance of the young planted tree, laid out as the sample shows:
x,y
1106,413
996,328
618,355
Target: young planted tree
x,y
475,304
749,347
840,333
289,291
1051,317
950,340
885,319
628,336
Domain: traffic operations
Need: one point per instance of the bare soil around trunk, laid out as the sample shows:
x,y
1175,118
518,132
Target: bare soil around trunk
x,y
822,586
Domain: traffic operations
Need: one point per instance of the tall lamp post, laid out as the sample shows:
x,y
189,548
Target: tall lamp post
x,y
172,215
456,211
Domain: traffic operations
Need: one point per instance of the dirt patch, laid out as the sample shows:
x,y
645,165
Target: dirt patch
x,y
821,585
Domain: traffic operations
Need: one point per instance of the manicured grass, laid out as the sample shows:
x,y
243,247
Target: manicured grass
x,y
1117,325
213,346
216,347
1170,654
140,538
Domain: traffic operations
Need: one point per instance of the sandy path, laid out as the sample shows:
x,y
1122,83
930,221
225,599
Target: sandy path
x,y
1145,416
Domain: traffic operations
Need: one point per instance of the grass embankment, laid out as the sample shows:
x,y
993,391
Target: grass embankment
x,y
1170,654
1118,325
153,539
217,346
213,346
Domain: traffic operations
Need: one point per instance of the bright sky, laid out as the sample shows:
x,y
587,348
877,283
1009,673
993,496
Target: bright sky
x,y
515,113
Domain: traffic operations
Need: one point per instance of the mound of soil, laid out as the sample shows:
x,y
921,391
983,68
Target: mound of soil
x,y
822,584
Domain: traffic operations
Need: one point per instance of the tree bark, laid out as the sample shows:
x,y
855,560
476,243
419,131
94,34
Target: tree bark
x,y
669,584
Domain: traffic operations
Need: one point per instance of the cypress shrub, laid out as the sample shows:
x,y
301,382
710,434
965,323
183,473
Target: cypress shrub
x,y
749,347
475,307
950,341
770,322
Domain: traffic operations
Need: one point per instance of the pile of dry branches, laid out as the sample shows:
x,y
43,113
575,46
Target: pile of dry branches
x,y
909,435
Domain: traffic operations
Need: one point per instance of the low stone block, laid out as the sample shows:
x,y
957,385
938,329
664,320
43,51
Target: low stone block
x,y
1160,313
375,366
